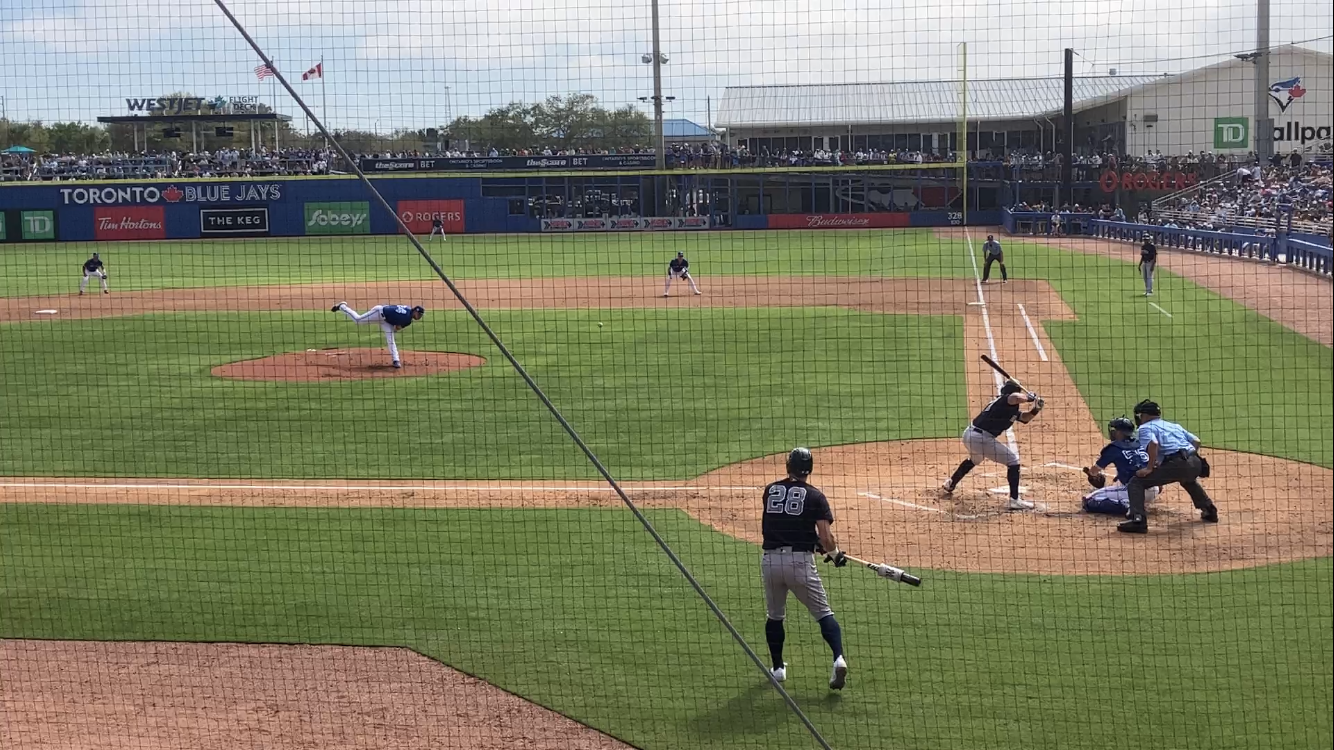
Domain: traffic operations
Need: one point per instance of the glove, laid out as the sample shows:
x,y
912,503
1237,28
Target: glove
x,y
838,558
1038,404
1097,480
1205,471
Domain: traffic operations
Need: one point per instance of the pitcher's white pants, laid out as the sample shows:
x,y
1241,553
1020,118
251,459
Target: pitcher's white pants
x,y
374,315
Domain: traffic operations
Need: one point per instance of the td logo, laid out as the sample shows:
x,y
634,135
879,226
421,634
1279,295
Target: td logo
x,y
351,217
38,225
1232,132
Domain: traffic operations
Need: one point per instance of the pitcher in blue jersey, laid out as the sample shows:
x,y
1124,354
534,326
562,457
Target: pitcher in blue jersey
x,y
392,318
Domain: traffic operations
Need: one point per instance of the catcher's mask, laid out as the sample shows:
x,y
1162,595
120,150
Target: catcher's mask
x,y
1122,425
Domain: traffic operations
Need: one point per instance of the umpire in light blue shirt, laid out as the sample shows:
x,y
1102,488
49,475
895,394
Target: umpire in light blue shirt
x,y
1174,457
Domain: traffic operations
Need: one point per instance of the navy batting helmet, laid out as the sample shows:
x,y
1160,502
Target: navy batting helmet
x,y
1010,387
1120,424
800,462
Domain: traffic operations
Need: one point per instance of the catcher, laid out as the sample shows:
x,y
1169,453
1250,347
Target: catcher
x,y
1125,453
679,268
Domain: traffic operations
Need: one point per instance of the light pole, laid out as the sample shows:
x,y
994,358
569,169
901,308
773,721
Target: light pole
x,y
657,60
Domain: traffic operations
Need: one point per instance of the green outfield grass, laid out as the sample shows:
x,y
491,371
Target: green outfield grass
x,y
578,611
659,394
55,268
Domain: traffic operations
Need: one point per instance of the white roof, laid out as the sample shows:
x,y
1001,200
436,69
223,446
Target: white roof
x,y
913,101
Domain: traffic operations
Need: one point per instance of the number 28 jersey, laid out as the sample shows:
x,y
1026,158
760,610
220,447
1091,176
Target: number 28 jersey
x,y
791,508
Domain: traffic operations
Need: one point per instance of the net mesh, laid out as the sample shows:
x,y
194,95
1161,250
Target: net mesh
x,y
250,496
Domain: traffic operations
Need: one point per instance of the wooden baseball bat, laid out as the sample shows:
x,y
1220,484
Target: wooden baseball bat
x,y
1001,370
888,571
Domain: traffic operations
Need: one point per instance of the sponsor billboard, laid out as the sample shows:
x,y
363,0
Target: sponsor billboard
x,y
1232,132
625,224
419,215
234,222
1169,180
510,163
129,223
38,225
839,221
348,217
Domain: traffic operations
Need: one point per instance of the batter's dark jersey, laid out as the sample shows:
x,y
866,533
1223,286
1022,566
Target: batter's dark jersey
x,y
997,416
92,265
1148,253
791,508
678,265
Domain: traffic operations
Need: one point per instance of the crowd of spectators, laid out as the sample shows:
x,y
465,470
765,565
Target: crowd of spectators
x,y
1257,195
164,165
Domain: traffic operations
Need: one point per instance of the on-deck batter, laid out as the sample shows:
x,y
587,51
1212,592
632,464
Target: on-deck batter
x,y
391,318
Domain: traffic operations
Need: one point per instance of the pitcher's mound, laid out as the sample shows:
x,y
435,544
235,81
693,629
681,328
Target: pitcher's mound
x,y
344,364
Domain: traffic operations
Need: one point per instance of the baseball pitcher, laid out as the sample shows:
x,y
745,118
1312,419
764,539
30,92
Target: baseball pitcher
x,y
796,524
392,318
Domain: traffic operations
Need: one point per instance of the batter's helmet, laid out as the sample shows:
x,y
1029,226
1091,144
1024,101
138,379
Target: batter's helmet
x,y
1010,387
800,462
419,312
1120,424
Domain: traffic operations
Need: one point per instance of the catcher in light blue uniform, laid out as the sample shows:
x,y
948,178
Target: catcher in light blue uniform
x,y
1126,454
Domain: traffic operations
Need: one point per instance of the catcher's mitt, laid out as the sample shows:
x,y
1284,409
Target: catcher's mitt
x,y
1205,471
1097,480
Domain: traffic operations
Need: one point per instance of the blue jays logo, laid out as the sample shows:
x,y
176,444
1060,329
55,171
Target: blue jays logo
x,y
1286,92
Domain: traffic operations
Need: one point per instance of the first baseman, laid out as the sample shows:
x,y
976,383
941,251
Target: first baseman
x,y
994,254
391,318
1173,457
796,524
1123,452
679,268
981,438
94,267
437,227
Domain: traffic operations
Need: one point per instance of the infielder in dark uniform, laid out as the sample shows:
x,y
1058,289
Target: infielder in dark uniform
x,y
796,525
982,438
1174,457
1148,261
994,254
679,268
437,227
94,267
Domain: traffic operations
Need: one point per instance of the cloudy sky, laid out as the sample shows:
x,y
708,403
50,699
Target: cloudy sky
x,y
395,63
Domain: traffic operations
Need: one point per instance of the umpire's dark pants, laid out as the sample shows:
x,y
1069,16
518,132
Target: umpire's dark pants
x,y
986,269
1181,468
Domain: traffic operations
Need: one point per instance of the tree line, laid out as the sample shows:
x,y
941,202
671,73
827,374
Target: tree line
x,y
558,123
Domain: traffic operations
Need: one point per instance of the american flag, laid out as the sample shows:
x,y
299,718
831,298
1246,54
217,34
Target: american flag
x,y
263,71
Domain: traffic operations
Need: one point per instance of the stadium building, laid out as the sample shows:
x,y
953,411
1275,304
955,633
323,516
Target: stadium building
x,y
1205,109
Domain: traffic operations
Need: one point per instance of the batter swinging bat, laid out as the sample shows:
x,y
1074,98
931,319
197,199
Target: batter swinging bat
x,y
1001,370
888,571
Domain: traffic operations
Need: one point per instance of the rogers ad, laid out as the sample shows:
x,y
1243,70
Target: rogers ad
x,y
129,223
420,215
838,221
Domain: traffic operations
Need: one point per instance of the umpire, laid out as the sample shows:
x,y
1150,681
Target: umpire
x,y
1174,457
994,254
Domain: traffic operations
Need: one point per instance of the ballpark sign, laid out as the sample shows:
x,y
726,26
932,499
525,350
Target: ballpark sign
x,y
1232,132
353,217
247,192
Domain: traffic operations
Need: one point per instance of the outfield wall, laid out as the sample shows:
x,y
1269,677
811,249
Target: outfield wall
x,y
294,207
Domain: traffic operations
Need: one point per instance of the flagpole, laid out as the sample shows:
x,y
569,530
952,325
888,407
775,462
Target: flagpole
x,y
324,100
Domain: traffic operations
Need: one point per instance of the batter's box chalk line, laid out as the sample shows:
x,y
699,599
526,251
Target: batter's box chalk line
x,y
1059,465
929,509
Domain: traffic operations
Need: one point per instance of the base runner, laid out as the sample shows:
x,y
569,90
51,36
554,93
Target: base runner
x,y
796,524
392,318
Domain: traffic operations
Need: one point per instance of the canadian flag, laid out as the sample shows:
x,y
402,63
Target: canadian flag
x,y
313,73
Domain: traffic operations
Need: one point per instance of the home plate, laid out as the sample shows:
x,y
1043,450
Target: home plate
x,y
47,312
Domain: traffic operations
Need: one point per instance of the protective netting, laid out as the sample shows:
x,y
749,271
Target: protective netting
x,y
267,479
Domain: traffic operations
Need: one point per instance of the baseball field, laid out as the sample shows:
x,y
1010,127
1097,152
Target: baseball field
x,y
225,521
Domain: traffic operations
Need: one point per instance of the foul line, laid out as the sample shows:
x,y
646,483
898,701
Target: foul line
x,y
1042,353
986,325
356,488
1155,306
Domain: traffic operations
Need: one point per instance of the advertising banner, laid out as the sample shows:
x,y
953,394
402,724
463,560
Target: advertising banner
x,y
839,221
509,163
38,225
1169,180
129,223
207,192
233,222
419,215
349,217
625,224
